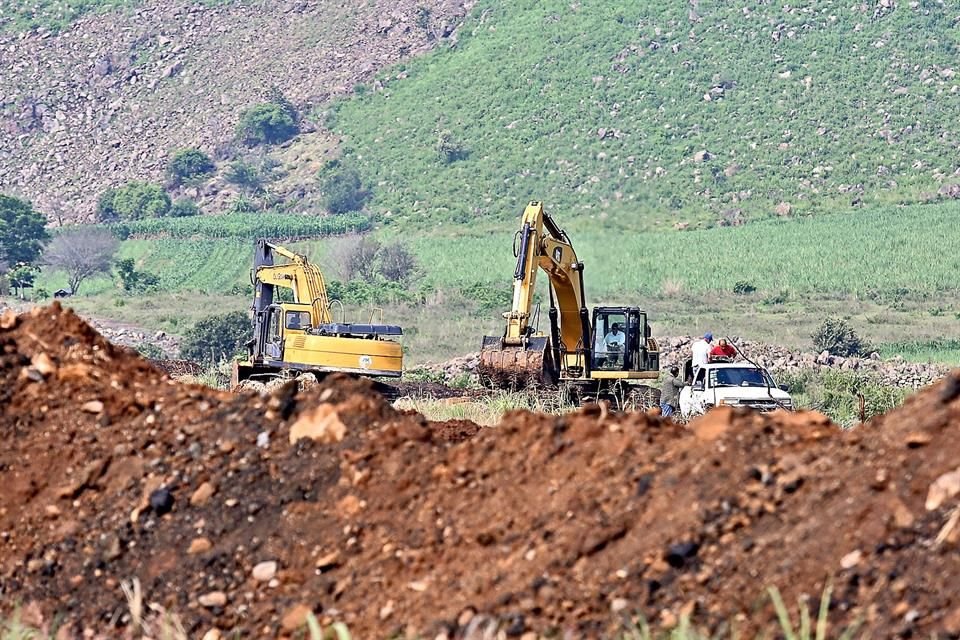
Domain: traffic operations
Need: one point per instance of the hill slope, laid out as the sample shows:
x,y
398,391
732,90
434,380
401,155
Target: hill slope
x,y
658,113
107,99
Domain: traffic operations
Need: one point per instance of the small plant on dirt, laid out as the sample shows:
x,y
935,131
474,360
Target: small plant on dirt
x,y
837,337
743,288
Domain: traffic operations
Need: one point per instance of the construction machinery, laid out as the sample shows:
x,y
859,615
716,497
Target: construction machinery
x,y
302,336
608,352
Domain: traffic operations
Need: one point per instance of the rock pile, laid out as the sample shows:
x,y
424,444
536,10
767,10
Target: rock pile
x,y
675,350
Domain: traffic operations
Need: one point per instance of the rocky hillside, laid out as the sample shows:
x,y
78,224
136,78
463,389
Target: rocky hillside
x,y
108,98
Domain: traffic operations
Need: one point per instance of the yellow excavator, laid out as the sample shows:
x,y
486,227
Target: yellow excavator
x,y
296,337
606,354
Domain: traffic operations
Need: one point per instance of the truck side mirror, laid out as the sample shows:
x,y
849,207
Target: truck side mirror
x,y
784,387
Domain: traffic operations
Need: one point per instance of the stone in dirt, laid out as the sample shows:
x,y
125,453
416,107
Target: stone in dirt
x,y
265,571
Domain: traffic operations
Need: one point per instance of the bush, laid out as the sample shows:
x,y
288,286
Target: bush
x,y
188,164
216,338
135,281
245,174
448,149
184,208
837,337
743,287
266,123
133,201
488,297
341,188
241,205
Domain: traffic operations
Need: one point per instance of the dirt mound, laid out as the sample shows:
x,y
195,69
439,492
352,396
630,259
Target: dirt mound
x,y
397,525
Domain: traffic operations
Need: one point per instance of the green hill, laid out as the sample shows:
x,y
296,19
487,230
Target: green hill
x,y
651,114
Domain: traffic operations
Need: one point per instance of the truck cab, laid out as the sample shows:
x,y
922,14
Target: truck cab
x,y
732,384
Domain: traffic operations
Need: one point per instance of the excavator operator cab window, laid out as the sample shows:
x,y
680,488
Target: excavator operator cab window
x,y
297,320
611,341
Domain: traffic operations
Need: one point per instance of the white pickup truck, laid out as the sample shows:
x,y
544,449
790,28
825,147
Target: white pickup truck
x,y
732,384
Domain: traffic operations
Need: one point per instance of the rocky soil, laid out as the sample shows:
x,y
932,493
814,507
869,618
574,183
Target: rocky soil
x,y
243,513
108,99
675,350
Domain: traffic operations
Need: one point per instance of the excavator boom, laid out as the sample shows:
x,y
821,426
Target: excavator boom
x,y
521,356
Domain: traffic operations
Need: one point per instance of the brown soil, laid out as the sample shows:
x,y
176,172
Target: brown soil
x,y
543,523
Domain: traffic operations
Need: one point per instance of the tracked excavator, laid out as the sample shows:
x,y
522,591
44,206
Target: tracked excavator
x,y
608,353
302,336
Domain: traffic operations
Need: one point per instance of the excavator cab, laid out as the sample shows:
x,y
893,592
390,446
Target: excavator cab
x,y
622,341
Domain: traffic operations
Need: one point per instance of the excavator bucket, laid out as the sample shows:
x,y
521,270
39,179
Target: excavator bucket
x,y
516,367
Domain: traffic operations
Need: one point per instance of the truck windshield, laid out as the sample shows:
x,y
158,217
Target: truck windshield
x,y
740,377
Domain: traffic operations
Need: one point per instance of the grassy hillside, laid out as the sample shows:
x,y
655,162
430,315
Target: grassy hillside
x,y
51,14
650,114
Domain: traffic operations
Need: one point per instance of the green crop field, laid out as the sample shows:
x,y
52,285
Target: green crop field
x,y
886,254
244,225
601,109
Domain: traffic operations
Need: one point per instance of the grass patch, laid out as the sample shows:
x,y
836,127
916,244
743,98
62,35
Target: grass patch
x,y
837,394
944,350
485,411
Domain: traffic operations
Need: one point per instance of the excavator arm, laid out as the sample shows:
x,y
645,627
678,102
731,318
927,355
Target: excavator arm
x,y
520,356
301,276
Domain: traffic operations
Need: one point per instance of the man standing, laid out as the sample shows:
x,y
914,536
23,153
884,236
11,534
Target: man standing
x,y
701,350
670,393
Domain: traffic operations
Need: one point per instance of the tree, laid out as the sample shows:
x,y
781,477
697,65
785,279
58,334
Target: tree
x,y
266,123
81,254
188,164
133,201
21,277
216,338
341,188
22,231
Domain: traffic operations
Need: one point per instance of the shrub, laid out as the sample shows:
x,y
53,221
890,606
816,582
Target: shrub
x,y
396,264
743,287
242,204
216,338
135,281
245,174
448,149
836,336
341,189
266,123
188,164
488,297
133,201
150,351
184,208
